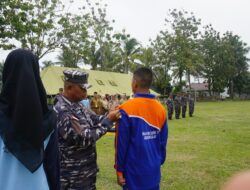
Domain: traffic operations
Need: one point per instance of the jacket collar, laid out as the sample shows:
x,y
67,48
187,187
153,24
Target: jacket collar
x,y
144,95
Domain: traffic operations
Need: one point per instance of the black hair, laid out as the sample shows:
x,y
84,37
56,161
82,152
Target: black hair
x,y
144,77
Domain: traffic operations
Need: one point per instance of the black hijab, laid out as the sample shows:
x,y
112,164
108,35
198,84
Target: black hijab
x,y
25,120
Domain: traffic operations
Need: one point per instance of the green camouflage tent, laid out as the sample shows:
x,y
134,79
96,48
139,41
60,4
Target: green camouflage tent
x,y
101,81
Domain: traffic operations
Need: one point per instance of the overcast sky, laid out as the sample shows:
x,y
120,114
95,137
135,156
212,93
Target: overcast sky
x,y
143,19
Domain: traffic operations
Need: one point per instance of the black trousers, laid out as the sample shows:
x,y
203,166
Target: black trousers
x,y
89,184
183,111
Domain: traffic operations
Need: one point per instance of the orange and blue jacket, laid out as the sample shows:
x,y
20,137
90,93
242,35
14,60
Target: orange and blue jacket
x,y
141,139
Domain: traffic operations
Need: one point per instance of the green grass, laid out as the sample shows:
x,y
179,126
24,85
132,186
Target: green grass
x,y
202,151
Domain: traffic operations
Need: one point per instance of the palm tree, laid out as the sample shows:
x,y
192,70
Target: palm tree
x,y
67,58
129,49
47,64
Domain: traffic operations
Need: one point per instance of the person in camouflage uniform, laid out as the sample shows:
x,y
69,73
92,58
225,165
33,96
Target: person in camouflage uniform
x,y
170,106
177,106
184,100
191,105
79,129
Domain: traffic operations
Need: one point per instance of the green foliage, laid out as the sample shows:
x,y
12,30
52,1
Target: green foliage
x,y
184,50
129,49
67,58
242,83
235,58
224,60
30,24
178,87
246,86
147,57
162,81
88,39
186,54
75,38
213,65
178,47
101,53
47,64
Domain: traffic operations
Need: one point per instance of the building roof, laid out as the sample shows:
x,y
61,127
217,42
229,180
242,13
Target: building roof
x,y
199,86
101,81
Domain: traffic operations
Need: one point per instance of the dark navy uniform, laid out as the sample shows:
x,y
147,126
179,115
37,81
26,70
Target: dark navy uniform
x,y
184,100
79,128
177,106
170,106
191,105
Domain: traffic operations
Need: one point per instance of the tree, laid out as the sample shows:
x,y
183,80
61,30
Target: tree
x,y
75,39
162,58
181,43
241,83
235,56
246,87
100,30
161,81
211,51
67,58
147,57
87,38
224,60
30,24
129,50
46,64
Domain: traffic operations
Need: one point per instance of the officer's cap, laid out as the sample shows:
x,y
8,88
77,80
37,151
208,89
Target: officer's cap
x,y
77,77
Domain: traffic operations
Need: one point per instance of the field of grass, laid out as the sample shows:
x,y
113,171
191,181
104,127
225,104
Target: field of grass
x,y
202,151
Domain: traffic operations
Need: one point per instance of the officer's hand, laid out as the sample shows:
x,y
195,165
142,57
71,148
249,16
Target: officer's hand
x,y
114,107
121,180
114,115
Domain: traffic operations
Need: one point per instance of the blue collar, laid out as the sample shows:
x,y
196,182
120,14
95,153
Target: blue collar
x,y
144,95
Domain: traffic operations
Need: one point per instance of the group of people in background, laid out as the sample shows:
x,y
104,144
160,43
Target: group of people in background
x,y
101,104
178,103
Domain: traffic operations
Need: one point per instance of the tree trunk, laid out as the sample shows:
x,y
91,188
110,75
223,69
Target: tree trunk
x,y
189,81
231,89
126,65
180,77
209,86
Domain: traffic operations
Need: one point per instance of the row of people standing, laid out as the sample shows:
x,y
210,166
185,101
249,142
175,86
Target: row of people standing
x,y
178,104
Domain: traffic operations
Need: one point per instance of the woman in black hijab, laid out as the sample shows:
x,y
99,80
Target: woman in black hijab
x,y
28,134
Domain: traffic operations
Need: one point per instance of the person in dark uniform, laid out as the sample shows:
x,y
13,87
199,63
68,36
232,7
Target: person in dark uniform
x,y
191,105
60,92
177,106
79,129
184,100
170,106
